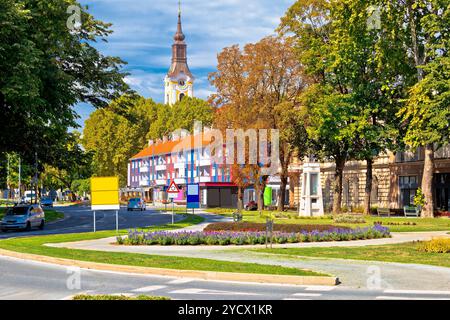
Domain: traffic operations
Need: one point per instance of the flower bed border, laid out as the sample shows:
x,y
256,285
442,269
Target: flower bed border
x,y
249,238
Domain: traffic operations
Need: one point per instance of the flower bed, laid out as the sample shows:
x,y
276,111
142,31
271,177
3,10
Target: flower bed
x,y
255,227
440,245
225,238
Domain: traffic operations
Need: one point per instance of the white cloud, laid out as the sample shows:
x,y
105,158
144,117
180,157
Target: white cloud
x,y
143,34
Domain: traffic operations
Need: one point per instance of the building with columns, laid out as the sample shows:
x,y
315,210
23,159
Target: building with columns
x,y
179,81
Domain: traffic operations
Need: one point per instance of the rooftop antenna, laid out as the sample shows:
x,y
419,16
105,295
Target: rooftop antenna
x,y
179,7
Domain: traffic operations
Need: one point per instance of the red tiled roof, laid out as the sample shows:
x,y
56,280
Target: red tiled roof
x,y
168,147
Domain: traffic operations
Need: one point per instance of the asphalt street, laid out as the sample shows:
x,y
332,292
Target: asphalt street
x,y
80,219
21,279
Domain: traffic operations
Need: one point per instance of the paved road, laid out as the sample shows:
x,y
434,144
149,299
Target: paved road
x,y
20,279
80,219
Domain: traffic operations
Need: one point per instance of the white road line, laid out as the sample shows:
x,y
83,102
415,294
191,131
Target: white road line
x,y
307,294
417,292
121,294
407,298
295,299
180,281
320,288
212,292
149,288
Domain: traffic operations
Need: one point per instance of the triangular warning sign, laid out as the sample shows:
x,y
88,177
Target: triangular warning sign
x,y
173,188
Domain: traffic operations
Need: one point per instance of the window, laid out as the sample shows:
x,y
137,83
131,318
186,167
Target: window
x,y
408,188
182,95
442,184
314,184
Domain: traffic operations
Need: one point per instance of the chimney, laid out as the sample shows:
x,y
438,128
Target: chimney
x,y
159,141
175,136
150,143
165,139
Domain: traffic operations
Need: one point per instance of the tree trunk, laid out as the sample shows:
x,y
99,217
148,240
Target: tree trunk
x,y
261,185
338,175
240,203
368,190
427,182
282,194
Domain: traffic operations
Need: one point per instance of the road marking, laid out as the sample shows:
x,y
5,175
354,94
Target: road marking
x,y
295,299
121,294
307,294
149,288
417,292
407,298
180,281
320,288
212,292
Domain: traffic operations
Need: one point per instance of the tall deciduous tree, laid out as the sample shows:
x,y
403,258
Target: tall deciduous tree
x,y
258,86
46,69
426,113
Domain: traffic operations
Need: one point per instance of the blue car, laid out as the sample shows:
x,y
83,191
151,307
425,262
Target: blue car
x,y
136,204
46,202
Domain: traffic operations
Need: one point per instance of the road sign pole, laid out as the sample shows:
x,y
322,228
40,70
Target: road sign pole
x,y
173,212
94,222
117,221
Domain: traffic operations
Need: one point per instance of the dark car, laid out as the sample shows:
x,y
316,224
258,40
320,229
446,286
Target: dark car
x,y
251,206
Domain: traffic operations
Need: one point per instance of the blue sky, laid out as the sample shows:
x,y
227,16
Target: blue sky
x,y
144,29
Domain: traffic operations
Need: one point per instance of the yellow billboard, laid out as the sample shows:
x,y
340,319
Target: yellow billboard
x,y
105,193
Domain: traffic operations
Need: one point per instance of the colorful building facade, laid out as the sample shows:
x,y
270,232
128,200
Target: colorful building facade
x,y
185,162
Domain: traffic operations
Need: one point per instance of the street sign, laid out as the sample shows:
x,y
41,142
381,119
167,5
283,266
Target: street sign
x,y
105,193
173,188
193,196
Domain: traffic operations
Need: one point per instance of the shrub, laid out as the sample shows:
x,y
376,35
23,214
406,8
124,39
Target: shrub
x,y
439,245
259,227
395,223
349,218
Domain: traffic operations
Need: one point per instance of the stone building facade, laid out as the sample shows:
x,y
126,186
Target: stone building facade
x,y
396,178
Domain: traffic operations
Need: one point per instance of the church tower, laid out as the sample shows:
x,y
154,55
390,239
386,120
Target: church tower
x,y
179,82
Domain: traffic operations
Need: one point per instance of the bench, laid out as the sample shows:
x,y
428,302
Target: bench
x,y
384,211
411,211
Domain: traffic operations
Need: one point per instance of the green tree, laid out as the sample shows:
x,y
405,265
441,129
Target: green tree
x,y
46,69
426,111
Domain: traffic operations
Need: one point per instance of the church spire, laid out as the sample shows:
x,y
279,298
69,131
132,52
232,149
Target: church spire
x,y
179,81
179,36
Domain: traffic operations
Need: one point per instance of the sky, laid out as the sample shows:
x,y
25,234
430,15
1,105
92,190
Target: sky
x,y
144,30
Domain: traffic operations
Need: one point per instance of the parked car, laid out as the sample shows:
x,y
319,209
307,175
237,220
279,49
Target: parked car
x,y
29,196
136,204
23,217
46,202
251,206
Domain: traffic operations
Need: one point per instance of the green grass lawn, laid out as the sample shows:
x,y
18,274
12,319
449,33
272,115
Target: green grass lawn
x,y
402,253
436,224
35,245
50,214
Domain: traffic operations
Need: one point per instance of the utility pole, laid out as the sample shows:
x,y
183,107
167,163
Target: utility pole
x,y
7,177
36,186
20,177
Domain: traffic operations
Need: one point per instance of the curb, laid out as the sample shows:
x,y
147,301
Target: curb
x,y
203,275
